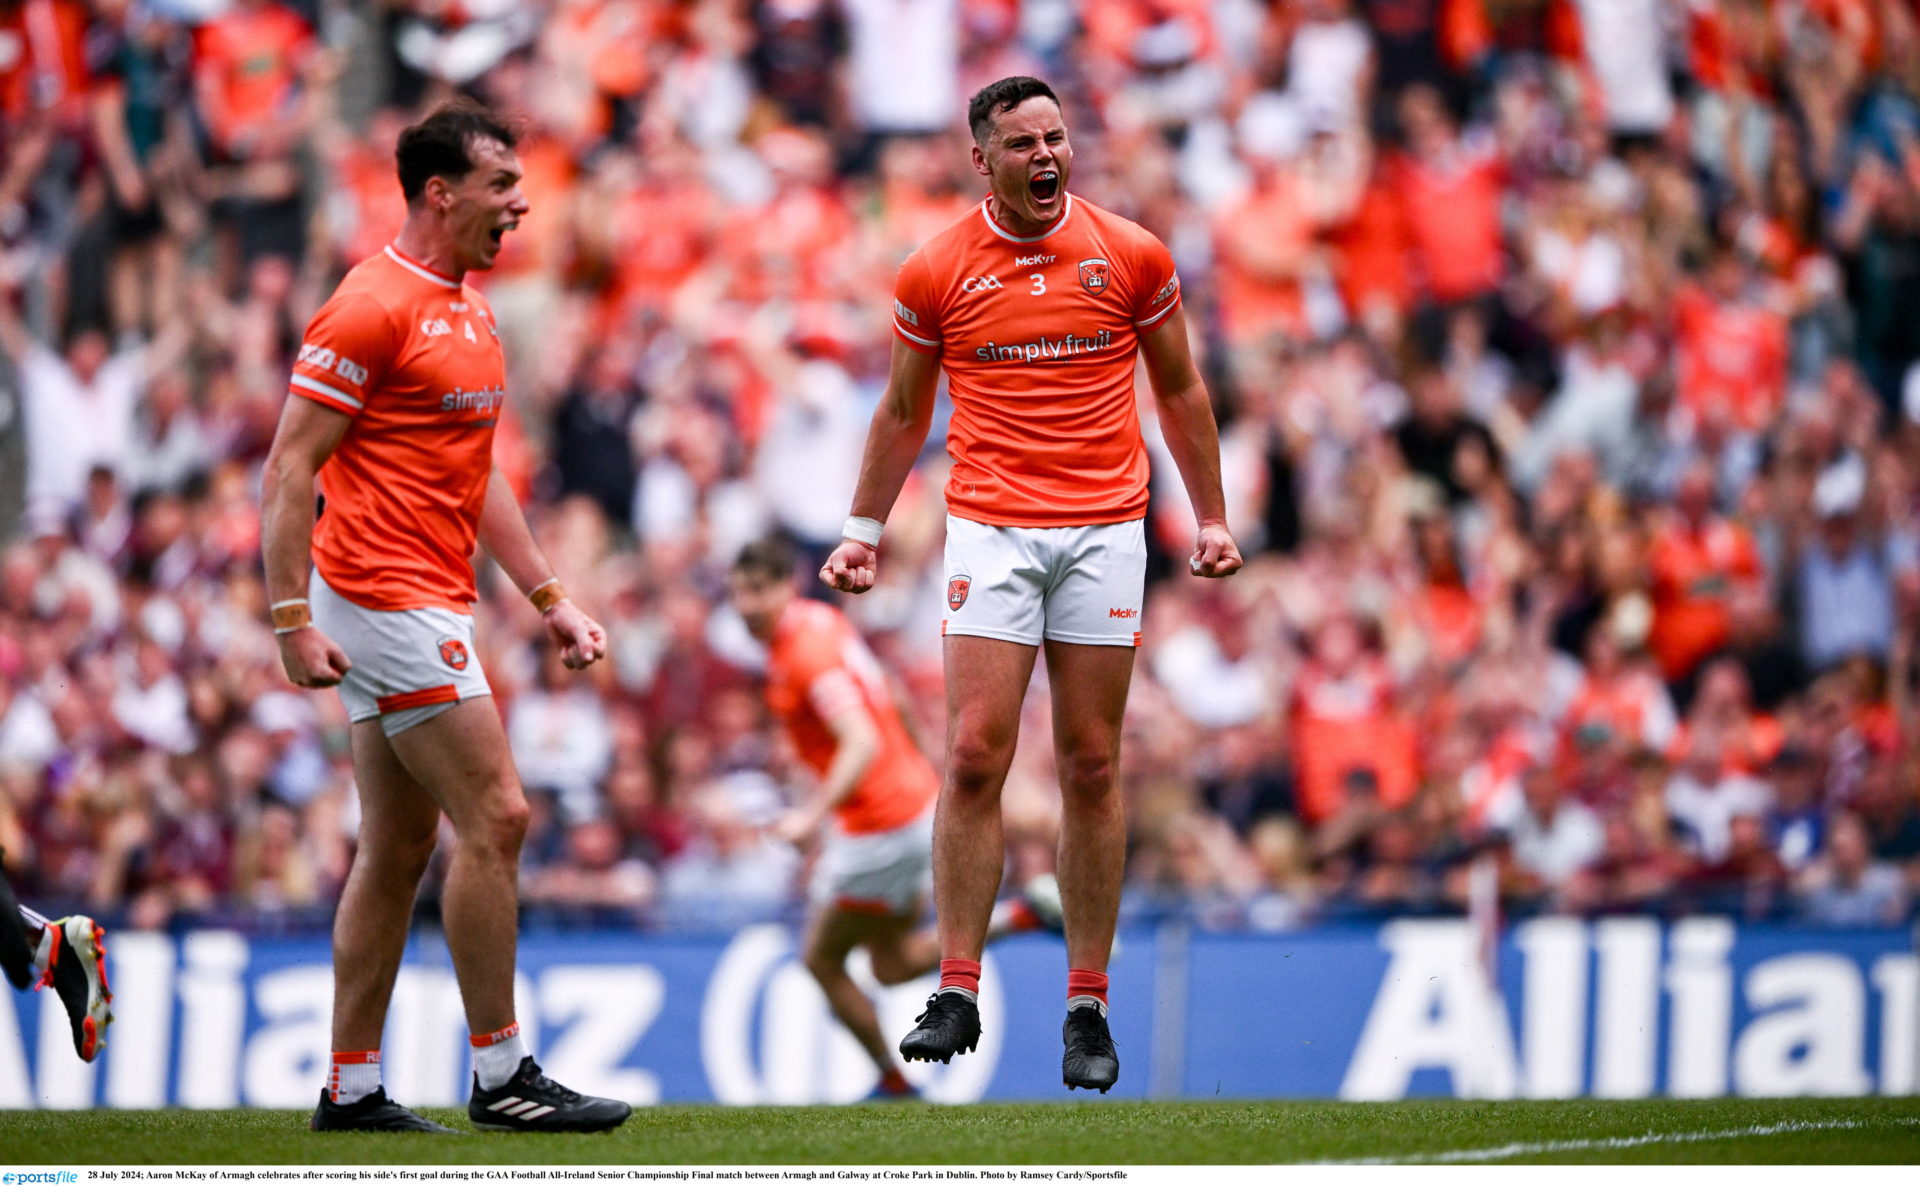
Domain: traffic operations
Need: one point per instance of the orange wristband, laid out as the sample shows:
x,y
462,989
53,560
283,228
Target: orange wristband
x,y
548,595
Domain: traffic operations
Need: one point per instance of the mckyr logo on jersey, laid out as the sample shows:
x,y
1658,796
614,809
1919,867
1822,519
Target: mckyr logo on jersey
x,y
453,652
1093,275
980,284
1128,612
957,591
1028,261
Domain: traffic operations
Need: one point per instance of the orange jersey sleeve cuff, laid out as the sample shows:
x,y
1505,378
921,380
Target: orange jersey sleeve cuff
x,y
320,392
923,345
1161,315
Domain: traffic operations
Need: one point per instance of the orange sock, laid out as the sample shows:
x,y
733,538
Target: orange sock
x,y
1086,989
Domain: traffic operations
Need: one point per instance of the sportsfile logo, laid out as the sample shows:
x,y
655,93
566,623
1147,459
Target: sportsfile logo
x,y
14,1178
1068,345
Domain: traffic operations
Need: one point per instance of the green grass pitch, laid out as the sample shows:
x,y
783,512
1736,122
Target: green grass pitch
x,y
1080,1133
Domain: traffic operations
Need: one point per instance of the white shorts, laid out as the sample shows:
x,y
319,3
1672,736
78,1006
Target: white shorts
x,y
1067,584
876,872
409,666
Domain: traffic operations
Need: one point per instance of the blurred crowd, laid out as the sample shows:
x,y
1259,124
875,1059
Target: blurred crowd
x,y
1564,353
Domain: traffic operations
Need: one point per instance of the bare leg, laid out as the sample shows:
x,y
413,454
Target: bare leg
x,y
834,935
461,758
986,681
1089,700
910,956
398,820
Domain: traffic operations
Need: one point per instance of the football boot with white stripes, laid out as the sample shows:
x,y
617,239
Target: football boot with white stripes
x,y
531,1102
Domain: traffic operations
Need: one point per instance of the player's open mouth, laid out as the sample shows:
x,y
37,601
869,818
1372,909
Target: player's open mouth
x,y
1044,186
500,232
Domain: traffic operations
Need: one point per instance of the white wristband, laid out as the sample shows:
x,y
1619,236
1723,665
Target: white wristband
x,y
863,530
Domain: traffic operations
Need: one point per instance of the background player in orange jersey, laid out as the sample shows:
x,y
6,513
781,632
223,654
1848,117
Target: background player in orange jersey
x,y
1036,305
873,810
400,380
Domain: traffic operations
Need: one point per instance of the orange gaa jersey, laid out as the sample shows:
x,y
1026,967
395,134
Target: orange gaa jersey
x,y
1038,337
415,359
818,666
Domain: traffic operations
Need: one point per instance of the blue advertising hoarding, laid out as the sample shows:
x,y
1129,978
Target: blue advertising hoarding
x,y
1622,1008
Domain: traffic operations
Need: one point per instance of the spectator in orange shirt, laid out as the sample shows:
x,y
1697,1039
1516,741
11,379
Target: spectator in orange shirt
x,y
1451,185
43,87
1699,558
252,70
1342,720
1732,345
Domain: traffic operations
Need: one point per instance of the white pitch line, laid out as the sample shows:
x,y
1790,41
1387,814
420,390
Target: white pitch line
x,y
1536,1148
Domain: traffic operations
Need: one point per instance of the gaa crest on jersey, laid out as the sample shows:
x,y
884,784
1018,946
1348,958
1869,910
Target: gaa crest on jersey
x,y
957,591
453,652
1093,275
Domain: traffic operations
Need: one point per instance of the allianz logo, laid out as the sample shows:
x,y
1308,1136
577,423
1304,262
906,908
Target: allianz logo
x,y
216,1030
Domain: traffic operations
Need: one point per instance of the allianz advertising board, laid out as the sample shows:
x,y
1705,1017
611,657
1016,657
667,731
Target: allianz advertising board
x,y
1625,1008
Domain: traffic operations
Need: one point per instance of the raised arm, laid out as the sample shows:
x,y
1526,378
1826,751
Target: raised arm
x,y
1186,421
894,439
504,534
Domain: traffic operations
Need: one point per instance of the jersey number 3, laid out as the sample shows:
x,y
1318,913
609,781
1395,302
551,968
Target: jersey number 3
x,y
1039,284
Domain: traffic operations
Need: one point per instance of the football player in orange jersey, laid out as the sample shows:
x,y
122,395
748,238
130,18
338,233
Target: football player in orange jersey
x,y
872,810
398,386
1036,305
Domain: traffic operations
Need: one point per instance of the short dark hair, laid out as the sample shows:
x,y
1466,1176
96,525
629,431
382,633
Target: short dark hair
x,y
997,98
767,560
438,146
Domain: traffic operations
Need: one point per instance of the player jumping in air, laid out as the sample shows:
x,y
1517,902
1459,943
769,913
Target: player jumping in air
x,y
1036,305
399,383
873,810
70,954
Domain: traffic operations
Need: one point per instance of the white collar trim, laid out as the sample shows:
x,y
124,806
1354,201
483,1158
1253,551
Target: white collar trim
x,y
986,212
416,269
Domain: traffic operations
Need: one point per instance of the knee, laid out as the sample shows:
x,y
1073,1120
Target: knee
x,y
499,828
889,969
1087,774
825,966
976,765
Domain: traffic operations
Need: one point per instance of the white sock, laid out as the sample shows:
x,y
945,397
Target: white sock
x,y
1087,1003
43,946
355,1076
497,1056
965,992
